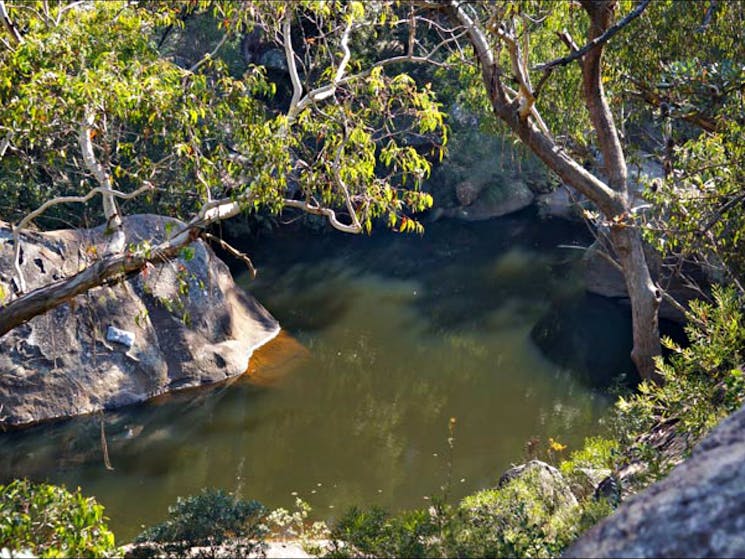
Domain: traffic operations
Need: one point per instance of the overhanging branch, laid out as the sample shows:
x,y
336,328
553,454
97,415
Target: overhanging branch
x,y
599,40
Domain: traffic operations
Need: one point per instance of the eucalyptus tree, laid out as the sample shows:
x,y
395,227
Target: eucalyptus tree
x,y
515,78
90,107
582,108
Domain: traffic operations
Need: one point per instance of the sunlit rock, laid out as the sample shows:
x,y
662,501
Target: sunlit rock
x,y
177,324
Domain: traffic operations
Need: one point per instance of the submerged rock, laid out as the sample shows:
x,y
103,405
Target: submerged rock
x,y
175,325
698,510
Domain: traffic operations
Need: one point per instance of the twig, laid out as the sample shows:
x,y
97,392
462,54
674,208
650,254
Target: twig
x,y
105,448
210,55
233,252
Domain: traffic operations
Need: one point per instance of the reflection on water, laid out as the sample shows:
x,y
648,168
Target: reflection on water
x,y
402,333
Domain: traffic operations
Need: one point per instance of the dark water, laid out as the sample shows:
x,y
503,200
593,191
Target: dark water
x,y
403,332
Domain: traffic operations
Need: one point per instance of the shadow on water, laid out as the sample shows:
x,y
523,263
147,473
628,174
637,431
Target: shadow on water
x,y
402,333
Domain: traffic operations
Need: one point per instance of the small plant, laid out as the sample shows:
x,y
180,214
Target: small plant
x,y
49,521
210,519
295,525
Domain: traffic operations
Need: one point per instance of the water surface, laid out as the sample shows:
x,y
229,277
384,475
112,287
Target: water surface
x,y
402,333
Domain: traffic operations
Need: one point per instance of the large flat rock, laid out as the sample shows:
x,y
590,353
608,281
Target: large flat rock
x,y
191,326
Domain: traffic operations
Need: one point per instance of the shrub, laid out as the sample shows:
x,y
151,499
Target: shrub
x,y
49,521
524,518
212,518
703,383
374,533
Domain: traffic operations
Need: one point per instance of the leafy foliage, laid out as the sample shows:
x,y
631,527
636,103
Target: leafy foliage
x,y
703,383
208,131
211,518
698,208
49,521
520,519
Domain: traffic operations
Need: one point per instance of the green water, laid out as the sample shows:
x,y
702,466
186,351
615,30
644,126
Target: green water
x,y
404,332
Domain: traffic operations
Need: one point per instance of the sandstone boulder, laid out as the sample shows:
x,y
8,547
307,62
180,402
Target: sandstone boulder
x,y
547,482
698,510
179,324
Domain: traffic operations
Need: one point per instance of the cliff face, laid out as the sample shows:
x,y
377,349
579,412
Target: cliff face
x,y
176,325
696,511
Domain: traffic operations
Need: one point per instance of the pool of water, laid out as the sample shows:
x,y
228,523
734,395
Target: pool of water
x,y
401,333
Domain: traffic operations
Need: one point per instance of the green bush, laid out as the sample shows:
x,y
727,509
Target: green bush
x,y
702,384
49,521
524,518
373,532
210,519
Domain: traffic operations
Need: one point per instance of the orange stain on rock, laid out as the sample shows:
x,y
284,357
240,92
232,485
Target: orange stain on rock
x,y
275,359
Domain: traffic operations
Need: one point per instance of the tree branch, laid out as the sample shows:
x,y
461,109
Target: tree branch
x,y
16,229
47,297
64,9
110,210
540,143
600,14
15,36
330,214
297,87
599,40
232,251
210,55
323,92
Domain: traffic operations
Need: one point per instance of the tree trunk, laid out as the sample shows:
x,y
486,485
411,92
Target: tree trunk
x,y
644,296
611,199
625,236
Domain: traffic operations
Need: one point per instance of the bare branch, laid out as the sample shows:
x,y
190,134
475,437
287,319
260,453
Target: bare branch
x,y
321,93
6,44
330,214
110,210
70,6
16,229
233,252
297,87
81,200
210,55
15,36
